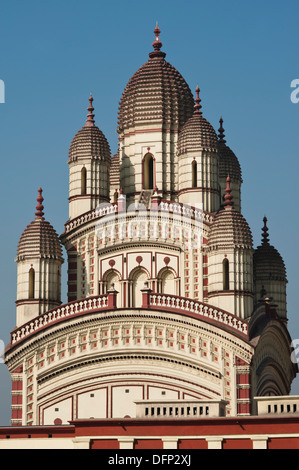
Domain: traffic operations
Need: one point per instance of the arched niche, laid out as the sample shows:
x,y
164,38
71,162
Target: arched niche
x,y
148,171
167,281
225,274
194,173
31,286
83,181
138,277
112,279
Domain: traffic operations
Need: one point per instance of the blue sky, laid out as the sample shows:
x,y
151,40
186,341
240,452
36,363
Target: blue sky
x,y
243,55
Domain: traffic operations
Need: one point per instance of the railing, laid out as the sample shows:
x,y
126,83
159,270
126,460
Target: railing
x,y
164,206
61,313
150,300
180,409
276,405
185,305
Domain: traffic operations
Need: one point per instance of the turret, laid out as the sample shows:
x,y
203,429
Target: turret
x,y
270,278
198,162
89,168
230,272
39,259
154,106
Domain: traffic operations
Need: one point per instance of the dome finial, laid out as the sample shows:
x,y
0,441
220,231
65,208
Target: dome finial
x,y
265,234
157,44
39,208
221,134
228,198
90,116
197,101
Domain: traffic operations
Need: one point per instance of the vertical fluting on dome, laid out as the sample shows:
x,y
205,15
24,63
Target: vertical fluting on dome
x,y
89,167
154,106
269,273
39,260
198,161
228,165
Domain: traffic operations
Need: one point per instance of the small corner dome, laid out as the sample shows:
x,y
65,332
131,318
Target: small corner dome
x,y
267,261
229,228
39,239
90,140
197,134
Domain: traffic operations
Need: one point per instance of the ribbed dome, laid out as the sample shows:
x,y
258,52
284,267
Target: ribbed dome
x,y
229,228
197,133
157,93
267,262
228,162
90,140
39,239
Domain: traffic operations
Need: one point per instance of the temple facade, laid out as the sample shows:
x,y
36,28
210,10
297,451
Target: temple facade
x,y
172,312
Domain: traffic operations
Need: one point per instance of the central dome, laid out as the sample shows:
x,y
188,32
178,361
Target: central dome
x,y
157,93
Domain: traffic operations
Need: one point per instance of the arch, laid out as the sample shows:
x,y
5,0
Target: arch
x,y
138,277
148,171
112,278
225,274
83,181
31,283
194,173
166,281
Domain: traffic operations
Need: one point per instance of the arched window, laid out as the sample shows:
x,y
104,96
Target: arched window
x,y
148,171
83,181
168,282
31,283
140,277
225,269
112,280
194,173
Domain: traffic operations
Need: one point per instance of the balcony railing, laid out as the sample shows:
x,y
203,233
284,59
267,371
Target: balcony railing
x,y
193,307
150,300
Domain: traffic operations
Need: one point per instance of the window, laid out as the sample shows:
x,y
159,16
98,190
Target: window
x,y
225,266
83,181
194,174
31,283
148,171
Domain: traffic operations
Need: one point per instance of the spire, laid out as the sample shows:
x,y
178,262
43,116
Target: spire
x,y
221,134
265,234
157,44
197,101
39,208
228,198
90,116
